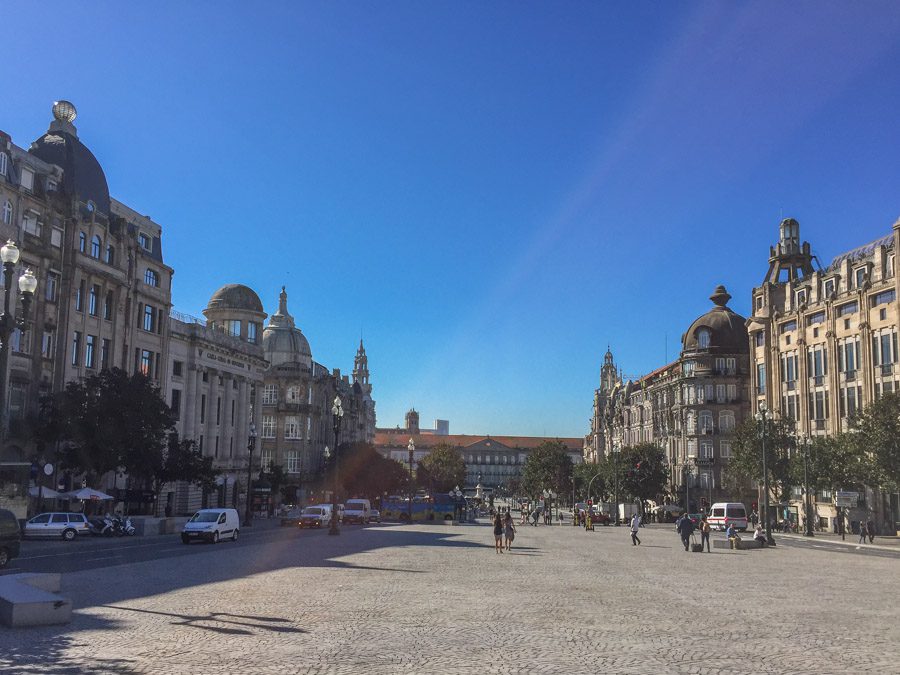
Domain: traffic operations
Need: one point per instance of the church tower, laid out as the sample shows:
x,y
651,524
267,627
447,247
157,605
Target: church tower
x,y
361,368
607,373
412,421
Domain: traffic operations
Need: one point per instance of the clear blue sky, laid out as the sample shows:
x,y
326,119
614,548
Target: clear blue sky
x,y
490,192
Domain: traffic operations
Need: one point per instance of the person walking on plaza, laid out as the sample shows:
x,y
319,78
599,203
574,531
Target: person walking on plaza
x,y
635,525
498,533
686,529
704,534
509,530
863,533
870,529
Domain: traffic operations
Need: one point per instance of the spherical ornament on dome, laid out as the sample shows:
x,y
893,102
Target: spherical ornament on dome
x,y
64,111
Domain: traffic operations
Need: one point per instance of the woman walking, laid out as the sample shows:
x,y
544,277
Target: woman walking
x,y
498,533
509,530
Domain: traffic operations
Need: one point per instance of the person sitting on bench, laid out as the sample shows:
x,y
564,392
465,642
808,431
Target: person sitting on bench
x,y
759,535
732,535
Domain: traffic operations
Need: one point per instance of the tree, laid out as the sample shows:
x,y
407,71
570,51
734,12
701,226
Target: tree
x,y
111,421
645,472
878,438
835,463
745,464
583,474
442,469
548,467
363,471
183,461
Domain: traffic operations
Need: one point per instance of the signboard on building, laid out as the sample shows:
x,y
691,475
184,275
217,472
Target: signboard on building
x,y
846,499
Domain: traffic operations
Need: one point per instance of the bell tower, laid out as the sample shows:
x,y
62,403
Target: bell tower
x,y
607,372
789,260
361,367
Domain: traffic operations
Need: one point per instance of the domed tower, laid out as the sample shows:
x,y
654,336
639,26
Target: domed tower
x,y
720,330
83,177
283,342
607,372
236,310
412,421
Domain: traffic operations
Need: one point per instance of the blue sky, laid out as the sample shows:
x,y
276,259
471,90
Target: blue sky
x,y
490,193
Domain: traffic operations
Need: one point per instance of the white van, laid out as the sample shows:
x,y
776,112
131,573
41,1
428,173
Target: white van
x,y
357,511
211,525
723,513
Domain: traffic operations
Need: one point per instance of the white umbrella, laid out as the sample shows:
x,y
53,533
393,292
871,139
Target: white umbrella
x,y
46,493
88,494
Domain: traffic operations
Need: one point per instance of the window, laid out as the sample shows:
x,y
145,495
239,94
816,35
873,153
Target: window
x,y
859,277
144,241
51,287
788,326
291,427
27,179
4,163
270,394
265,459
292,459
176,403
56,237
268,426
105,346
829,288
293,395
849,308
233,327
146,362
149,318
218,410
19,340
720,366
96,246
692,447
884,351
82,242
703,338
726,420
883,298
813,319
178,368
47,345
732,392
251,332
730,366
801,298
760,338
308,428
92,299
7,212
761,378
89,343
849,400
789,370
817,363
151,278
848,357
706,450
108,306
706,422
76,348
818,405
110,258
79,296
720,393
203,408
790,406
30,223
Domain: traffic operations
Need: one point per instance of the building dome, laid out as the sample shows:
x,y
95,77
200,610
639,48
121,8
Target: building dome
x,y
235,296
283,342
720,330
83,176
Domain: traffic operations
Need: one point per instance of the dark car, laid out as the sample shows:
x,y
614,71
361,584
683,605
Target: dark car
x,y
291,517
9,537
695,518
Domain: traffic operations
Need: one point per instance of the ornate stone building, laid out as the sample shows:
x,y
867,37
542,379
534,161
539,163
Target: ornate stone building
x,y
689,407
824,343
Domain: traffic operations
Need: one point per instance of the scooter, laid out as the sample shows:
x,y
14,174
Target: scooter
x,y
126,527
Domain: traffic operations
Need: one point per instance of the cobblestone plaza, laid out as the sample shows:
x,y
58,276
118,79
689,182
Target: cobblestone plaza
x,y
438,599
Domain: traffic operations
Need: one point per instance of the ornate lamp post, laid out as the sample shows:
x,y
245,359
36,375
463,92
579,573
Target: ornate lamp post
x,y
616,452
251,443
807,502
9,254
337,412
763,417
411,446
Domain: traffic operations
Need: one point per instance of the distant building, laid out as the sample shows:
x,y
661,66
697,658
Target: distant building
x,y
411,422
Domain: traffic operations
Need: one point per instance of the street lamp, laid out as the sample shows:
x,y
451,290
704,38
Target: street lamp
x,y
763,417
337,412
9,255
688,472
411,446
616,453
807,503
251,443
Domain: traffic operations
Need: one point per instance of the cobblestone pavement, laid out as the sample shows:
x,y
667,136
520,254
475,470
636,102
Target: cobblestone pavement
x,y
438,599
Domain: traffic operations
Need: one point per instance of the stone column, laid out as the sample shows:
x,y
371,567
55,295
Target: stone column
x,y
188,422
225,429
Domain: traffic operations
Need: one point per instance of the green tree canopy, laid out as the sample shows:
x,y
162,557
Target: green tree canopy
x,y
583,474
364,472
442,469
548,467
745,464
644,472
878,437
834,463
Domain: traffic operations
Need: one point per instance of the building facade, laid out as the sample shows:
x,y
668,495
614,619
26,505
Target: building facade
x,y
824,344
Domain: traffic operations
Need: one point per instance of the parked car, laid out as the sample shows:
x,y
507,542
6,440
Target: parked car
x,y
9,537
65,525
695,518
291,517
374,516
598,517
211,525
316,516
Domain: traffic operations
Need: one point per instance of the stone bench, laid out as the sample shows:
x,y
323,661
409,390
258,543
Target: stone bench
x,y
32,600
746,543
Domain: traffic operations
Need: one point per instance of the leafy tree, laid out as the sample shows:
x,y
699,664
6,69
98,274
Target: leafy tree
x,y
645,472
442,469
583,474
878,437
183,461
548,467
745,464
835,463
363,471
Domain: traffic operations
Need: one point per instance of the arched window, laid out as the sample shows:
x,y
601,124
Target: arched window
x,y
703,338
96,246
82,242
706,422
7,212
726,420
3,163
110,254
151,278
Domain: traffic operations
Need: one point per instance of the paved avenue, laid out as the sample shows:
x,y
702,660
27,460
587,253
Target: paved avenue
x,y
438,599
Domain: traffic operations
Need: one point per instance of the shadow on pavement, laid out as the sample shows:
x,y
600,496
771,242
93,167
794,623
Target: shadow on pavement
x,y
200,621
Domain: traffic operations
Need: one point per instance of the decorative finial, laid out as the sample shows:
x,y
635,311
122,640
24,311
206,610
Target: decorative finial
x,y
64,111
720,296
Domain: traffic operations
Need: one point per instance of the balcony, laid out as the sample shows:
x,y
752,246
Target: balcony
x,y
887,368
704,461
790,385
817,380
819,425
850,376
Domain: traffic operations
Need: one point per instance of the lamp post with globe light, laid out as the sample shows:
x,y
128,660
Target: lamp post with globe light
x,y
337,412
763,417
411,447
251,443
9,255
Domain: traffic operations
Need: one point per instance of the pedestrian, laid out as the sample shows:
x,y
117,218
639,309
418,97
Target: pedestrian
x,y
498,533
754,518
704,534
685,529
635,525
870,529
863,533
509,530
534,517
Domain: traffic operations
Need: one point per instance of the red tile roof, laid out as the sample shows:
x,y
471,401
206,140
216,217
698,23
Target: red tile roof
x,y
398,438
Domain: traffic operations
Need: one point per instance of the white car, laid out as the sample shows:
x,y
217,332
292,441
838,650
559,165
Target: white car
x,y
211,525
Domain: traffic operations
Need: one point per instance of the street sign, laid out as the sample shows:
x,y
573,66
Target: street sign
x,y
846,499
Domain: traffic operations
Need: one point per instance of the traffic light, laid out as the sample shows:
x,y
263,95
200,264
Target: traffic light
x,y
590,502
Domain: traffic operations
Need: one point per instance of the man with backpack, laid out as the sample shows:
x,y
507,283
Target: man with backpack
x,y
686,529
